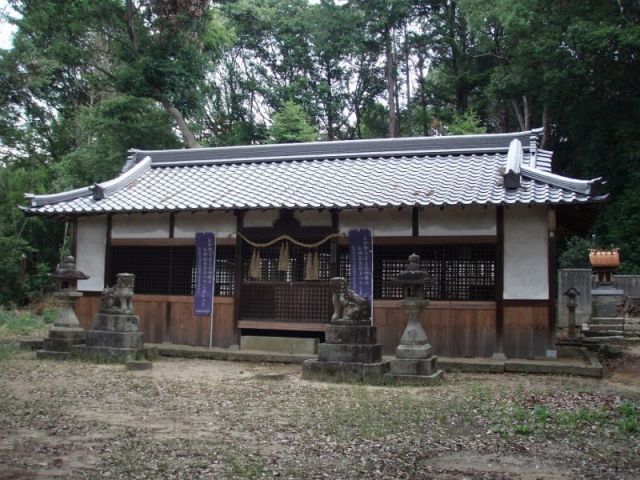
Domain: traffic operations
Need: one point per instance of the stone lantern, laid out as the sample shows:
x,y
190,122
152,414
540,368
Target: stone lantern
x,y
572,302
414,362
66,331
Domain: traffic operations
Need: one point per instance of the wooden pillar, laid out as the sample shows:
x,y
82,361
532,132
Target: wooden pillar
x,y
334,265
237,287
553,280
107,253
415,221
499,350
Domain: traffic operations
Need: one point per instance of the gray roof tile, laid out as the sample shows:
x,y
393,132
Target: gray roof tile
x,y
449,176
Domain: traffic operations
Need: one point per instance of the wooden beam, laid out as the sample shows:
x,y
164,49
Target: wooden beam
x,y
237,289
334,265
269,325
172,224
415,221
165,242
406,240
500,280
107,252
553,278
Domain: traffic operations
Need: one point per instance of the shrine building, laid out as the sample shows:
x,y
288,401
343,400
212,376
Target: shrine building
x,y
482,211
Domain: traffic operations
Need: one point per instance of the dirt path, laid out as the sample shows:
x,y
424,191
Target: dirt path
x,y
209,419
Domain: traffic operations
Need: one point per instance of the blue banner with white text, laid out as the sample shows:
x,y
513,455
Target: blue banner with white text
x,y
205,273
361,263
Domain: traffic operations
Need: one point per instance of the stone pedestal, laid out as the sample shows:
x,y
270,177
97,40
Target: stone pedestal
x,y
351,353
414,362
606,301
66,331
115,337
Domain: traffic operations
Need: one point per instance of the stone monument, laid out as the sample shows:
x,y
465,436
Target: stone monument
x,y
115,335
350,351
414,362
66,331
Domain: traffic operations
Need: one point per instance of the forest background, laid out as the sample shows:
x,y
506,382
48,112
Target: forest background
x,y
83,81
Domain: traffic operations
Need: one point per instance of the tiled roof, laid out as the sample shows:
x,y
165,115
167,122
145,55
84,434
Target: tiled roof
x,y
405,172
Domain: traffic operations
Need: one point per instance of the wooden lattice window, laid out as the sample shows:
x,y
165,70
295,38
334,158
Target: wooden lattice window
x,y
457,272
170,270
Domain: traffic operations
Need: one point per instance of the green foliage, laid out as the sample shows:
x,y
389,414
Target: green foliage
x,y
15,322
466,124
290,125
105,132
575,253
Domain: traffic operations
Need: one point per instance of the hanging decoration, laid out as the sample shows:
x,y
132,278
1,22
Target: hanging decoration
x,y
255,270
312,266
283,258
292,240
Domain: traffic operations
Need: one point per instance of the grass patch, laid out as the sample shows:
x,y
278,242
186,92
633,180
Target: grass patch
x,y
24,322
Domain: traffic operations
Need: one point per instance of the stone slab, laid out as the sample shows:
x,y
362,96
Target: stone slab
x,y
351,334
60,344
330,352
116,323
100,338
67,333
417,380
117,355
484,365
279,344
413,351
139,365
53,355
372,373
407,366
606,304
32,344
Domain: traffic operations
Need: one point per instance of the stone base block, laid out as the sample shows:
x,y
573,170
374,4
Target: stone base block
x,y
53,355
59,344
606,303
432,379
330,352
351,334
73,333
413,367
139,365
413,351
371,373
110,322
279,344
114,355
100,338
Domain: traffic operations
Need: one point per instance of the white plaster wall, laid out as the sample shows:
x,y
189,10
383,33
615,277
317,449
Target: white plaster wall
x,y
223,224
389,222
456,221
151,225
259,218
313,218
526,253
90,252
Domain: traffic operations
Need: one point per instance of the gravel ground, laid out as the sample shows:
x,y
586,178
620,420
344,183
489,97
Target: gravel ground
x,y
210,419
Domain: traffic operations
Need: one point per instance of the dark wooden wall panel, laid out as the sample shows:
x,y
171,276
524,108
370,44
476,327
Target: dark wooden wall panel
x,y
86,308
170,318
455,329
152,318
526,331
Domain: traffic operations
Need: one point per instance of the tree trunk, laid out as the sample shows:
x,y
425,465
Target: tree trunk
x,y
527,113
516,109
187,137
423,98
391,83
544,144
407,79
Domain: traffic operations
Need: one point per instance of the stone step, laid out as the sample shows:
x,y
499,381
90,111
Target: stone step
x,y
52,355
602,328
606,321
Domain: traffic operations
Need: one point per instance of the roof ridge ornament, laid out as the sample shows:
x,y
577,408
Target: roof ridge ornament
x,y
515,157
